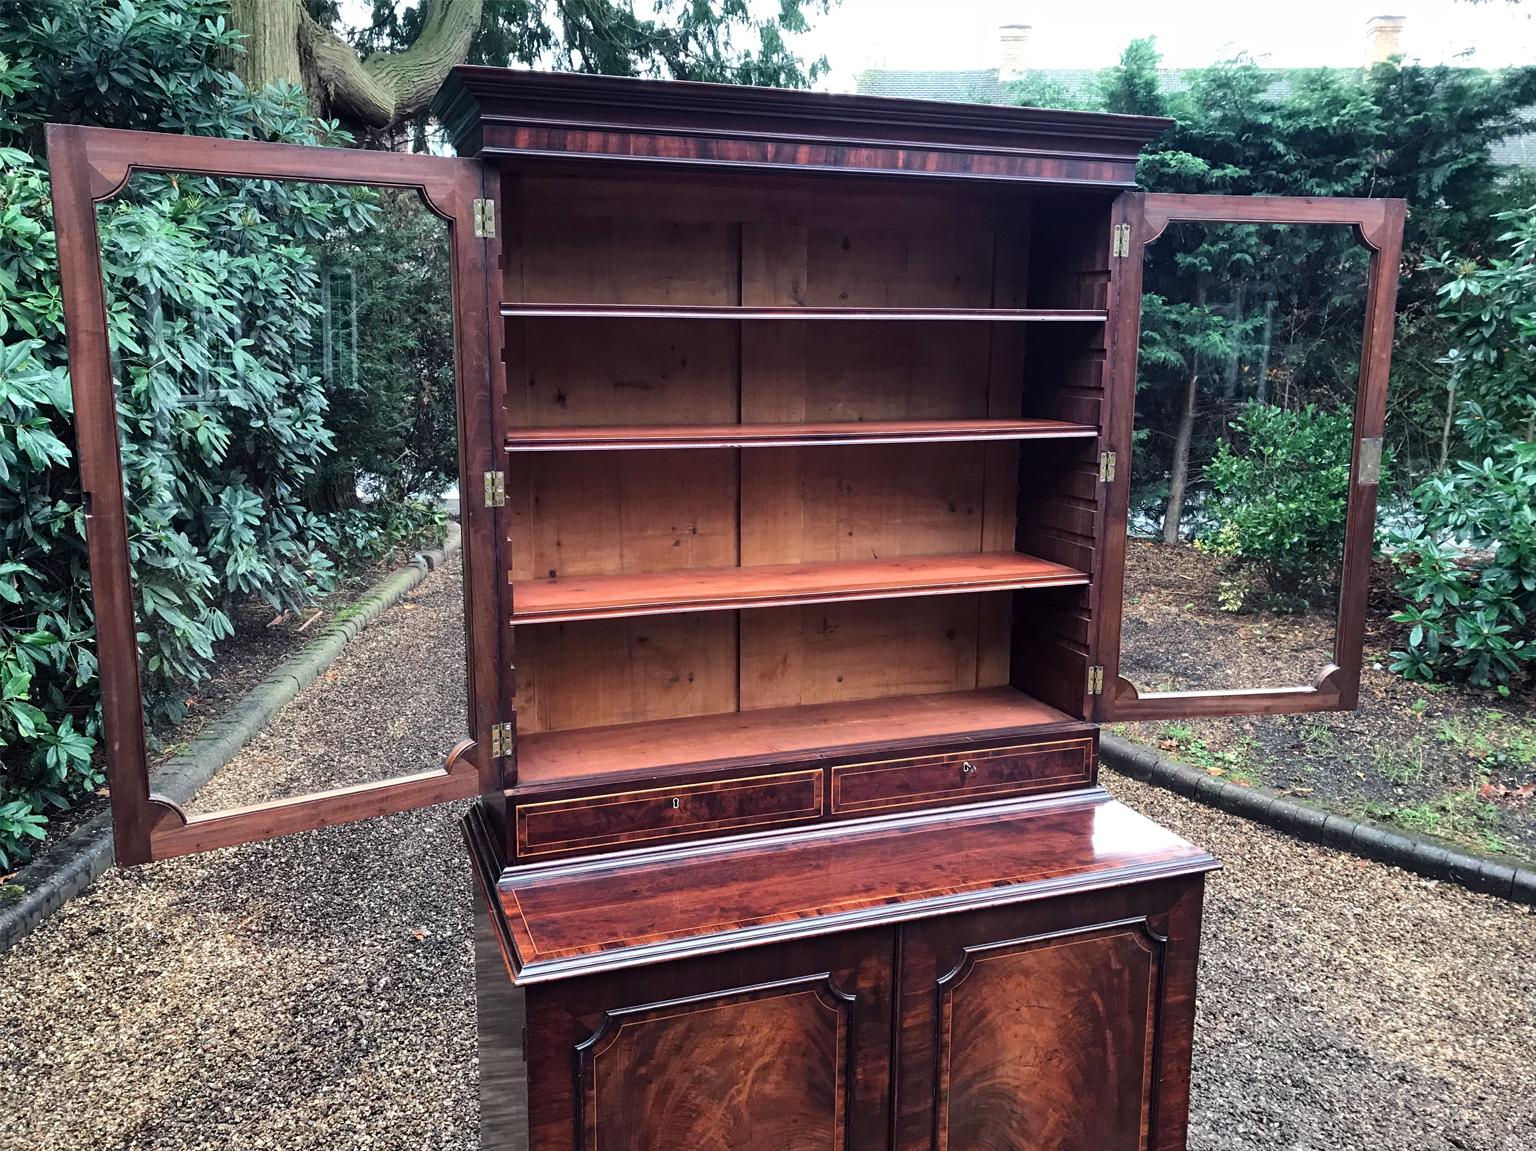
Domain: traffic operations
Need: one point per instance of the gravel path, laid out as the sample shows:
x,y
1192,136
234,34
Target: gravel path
x,y
316,992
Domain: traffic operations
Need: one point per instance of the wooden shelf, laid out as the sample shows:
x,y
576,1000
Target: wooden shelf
x,y
586,439
707,312
812,730
768,585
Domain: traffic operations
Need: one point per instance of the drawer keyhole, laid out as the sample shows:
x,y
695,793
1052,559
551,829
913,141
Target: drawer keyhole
x,y
967,768
676,803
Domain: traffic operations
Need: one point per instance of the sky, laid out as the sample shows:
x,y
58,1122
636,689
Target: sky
x,y
954,34
922,34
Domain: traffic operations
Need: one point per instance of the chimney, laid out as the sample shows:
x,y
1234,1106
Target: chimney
x,y
1014,61
1383,39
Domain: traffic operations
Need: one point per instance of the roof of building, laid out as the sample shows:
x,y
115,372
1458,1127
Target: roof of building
x,y
982,86
979,85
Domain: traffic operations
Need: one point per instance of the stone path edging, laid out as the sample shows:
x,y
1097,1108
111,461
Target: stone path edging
x,y
1420,854
87,852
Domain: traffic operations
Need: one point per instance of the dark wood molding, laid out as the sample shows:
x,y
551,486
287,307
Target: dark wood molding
x,y
1371,218
91,165
562,116
112,155
1376,223
969,953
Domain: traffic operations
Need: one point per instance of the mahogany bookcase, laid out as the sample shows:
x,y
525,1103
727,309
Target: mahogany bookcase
x,y
797,429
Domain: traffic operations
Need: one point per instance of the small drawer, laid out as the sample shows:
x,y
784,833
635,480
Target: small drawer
x,y
959,777
634,818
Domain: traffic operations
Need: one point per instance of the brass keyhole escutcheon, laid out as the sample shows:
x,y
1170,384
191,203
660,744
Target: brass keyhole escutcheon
x,y
676,803
967,768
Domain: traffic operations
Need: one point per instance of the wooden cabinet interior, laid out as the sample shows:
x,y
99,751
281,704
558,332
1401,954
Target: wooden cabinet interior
x,y
883,374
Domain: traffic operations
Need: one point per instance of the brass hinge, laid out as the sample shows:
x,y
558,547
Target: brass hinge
x,y
1370,461
501,740
485,218
1096,680
1120,240
1107,467
495,489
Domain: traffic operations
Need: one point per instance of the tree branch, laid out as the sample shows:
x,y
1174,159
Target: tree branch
x,y
389,86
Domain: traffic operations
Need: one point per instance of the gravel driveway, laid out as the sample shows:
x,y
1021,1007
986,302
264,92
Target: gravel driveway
x,y
316,992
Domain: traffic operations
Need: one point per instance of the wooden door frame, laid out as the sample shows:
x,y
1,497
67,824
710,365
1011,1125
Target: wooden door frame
x,y
89,166
1378,225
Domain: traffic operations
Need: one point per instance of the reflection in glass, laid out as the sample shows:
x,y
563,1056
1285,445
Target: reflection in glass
x,y
283,364
1249,361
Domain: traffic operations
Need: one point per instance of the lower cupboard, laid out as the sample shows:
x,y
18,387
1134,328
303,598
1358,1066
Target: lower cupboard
x,y
1038,1024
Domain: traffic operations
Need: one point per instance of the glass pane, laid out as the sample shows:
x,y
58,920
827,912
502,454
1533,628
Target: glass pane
x,y
284,372
1251,338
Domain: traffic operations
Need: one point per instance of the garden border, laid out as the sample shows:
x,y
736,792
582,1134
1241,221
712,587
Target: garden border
x,y
1421,854
87,852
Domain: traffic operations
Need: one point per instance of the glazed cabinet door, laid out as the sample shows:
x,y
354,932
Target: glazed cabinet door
x,y
1250,343
774,1049
228,303
1063,1025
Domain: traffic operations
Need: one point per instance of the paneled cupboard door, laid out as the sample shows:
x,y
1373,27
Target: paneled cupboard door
x,y
1064,1025
178,352
782,1048
1249,353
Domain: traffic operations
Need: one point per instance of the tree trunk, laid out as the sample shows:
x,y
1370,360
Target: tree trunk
x,y
271,41
1178,478
1445,429
1235,356
283,43
1262,395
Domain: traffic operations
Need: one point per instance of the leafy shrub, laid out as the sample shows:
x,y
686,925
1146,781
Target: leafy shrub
x,y
1492,310
1279,497
393,408
1472,615
1468,573
378,532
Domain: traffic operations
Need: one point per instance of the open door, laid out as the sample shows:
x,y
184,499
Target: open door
x,y
337,207
1243,451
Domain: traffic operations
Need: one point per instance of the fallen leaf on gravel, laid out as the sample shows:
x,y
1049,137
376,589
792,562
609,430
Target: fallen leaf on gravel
x,y
1513,794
